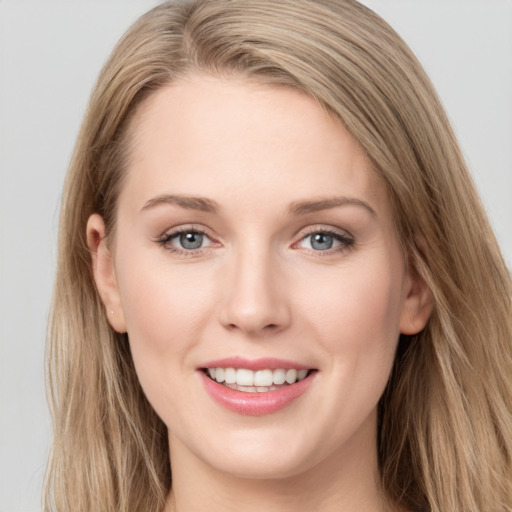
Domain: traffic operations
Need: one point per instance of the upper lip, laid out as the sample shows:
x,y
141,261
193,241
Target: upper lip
x,y
264,363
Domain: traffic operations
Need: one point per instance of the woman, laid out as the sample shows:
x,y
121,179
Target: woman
x,y
275,277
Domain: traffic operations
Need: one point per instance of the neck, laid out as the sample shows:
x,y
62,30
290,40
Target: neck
x,y
347,481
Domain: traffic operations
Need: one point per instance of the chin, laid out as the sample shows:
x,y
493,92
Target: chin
x,y
273,455
260,467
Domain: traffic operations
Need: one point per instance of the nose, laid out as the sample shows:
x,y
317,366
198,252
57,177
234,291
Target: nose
x,y
254,299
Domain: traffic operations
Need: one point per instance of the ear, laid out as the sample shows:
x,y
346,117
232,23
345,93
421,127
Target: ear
x,y
418,302
103,272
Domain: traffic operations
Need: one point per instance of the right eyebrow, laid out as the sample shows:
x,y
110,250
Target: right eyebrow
x,y
187,202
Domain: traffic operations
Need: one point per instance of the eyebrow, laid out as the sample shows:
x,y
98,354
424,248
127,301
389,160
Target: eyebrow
x,y
303,207
187,202
296,208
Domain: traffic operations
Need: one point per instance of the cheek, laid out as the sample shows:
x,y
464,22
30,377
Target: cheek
x,y
164,307
355,319
357,312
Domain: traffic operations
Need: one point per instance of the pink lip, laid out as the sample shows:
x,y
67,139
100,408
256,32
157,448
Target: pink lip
x,y
254,404
255,364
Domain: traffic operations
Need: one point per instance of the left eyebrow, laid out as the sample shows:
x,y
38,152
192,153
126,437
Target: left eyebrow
x,y
303,207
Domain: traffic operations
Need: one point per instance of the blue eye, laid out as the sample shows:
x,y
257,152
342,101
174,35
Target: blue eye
x,y
190,240
187,240
320,241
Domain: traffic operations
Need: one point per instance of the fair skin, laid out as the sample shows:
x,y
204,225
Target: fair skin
x,y
287,250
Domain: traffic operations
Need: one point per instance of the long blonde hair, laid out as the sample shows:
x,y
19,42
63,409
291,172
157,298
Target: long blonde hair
x,y
445,420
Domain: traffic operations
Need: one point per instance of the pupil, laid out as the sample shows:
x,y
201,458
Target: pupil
x,y
191,240
321,242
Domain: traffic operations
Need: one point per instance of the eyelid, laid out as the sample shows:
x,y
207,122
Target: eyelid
x,y
181,228
324,228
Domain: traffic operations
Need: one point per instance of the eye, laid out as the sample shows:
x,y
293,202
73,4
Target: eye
x,y
190,240
185,240
322,241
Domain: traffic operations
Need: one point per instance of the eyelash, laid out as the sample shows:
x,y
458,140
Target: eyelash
x,y
346,241
165,241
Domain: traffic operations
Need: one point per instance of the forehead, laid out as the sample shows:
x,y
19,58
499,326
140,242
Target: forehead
x,y
207,135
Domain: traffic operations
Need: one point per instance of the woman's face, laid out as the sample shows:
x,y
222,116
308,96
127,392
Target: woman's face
x,y
254,239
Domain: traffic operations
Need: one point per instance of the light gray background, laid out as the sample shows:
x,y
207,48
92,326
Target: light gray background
x,y
50,54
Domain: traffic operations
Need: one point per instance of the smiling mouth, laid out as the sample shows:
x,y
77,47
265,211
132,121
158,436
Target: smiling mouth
x,y
260,381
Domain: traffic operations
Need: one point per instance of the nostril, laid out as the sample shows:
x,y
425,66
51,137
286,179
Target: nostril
x,y
268,326
266,329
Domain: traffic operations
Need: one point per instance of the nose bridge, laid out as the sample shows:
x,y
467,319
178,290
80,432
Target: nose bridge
x,y
255,301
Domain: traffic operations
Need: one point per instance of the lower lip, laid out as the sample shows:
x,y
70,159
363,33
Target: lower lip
x,y
255,404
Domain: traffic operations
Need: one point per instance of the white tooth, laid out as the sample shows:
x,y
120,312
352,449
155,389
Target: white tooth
x,y
279,376
244,377
230,375
301,374
247,389
291,376
262,389
211,372
219,374
263,378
